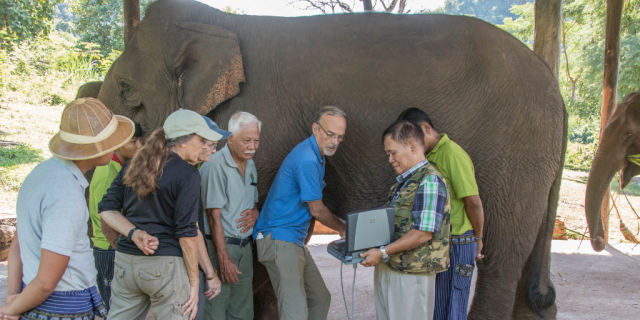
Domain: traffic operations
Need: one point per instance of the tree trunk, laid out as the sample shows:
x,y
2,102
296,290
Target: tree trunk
x,y
131,18
546,43
367,5
610,83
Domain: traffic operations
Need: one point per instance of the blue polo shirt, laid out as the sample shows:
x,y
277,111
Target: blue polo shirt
x,y
285,213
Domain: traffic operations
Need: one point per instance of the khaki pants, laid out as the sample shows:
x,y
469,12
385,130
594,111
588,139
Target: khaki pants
x,y
235,300
142,282
403,296
299,287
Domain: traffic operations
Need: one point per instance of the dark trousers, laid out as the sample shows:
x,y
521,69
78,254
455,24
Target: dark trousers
x,y
452,286
104,260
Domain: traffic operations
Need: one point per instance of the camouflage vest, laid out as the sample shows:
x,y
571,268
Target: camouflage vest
x,y
433,256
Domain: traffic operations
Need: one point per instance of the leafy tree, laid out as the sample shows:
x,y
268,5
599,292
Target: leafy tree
x,y
333,6
102,22
64,18
24,19
494,11
582,66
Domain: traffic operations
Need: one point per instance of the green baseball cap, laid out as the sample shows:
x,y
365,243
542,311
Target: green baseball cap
x,y
185,122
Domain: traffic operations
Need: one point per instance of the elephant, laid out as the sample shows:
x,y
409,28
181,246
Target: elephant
x,y
89,90
620,139
479,84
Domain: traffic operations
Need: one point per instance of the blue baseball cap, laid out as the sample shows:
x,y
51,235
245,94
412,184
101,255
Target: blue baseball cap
x,y
213,126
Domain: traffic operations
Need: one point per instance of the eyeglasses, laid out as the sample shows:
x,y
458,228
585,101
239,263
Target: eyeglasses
x,y
331,135
211,144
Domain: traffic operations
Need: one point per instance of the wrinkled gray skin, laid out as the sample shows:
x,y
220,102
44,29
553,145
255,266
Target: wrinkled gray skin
x,y
89,90
479,84
620,139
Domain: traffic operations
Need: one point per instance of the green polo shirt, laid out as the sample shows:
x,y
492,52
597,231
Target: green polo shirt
x,y
456,167
103,176
224,187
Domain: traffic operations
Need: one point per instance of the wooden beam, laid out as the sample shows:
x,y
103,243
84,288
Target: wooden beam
x,y
548,21
131,18
610,84
367,5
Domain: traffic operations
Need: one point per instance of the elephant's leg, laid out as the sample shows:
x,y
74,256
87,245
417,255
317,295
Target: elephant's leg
x,y
514,211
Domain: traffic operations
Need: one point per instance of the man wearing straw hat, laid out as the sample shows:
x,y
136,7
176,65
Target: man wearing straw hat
x,y
51,269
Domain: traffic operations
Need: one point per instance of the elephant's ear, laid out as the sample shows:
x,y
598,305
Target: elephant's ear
x,y
207,67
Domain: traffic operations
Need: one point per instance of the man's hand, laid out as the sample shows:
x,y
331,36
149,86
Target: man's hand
x,y
228,269
10,298
145,242
213,288
192,304
342,232
479,255
248,220
373,257
3,315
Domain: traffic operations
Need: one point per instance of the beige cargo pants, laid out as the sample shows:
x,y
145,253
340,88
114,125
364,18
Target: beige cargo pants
x,y
299,287
142,282
400,296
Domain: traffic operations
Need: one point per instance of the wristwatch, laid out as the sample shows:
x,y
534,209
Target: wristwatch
x,y
131,234
385,256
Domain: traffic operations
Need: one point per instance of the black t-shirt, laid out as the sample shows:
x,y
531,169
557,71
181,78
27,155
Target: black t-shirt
x,y
168,213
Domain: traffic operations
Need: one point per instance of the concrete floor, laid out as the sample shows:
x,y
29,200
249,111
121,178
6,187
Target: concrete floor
x,y
590,285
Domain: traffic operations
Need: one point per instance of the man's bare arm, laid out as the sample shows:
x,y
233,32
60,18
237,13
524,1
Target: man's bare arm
x,y
109,233
322,214
475,213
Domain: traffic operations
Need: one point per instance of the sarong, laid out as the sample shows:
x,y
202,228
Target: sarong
x,y
68,305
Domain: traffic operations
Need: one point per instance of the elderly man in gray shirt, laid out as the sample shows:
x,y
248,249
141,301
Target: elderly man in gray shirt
x,y
230,194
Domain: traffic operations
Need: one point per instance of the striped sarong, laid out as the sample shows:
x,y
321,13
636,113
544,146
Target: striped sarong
x,y
68,305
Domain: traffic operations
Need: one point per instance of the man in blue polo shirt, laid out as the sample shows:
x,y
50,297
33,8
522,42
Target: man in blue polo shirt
x,y
296,196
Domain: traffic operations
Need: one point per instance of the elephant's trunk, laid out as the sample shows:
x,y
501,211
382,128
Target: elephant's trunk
x,y
605,165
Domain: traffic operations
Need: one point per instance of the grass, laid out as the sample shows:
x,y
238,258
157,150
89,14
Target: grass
x,y
15,164
31,126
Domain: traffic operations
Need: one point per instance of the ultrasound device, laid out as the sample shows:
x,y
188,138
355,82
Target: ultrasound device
x,y
365,230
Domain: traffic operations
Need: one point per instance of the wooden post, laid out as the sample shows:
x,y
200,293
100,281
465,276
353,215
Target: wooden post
x,y
548,21
131,18
610,84
367,5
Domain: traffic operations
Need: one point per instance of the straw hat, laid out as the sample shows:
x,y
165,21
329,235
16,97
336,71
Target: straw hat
x,y
88,130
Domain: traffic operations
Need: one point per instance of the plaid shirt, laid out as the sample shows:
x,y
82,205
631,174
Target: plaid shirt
x,y
431,197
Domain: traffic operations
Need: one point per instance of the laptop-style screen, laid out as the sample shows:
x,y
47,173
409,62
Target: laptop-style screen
x,y
370,228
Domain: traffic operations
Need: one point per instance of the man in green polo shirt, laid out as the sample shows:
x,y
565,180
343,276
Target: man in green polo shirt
x,y
230,194
103,236
467,217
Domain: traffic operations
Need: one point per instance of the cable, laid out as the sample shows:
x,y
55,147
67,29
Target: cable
x,y
343,296
353,291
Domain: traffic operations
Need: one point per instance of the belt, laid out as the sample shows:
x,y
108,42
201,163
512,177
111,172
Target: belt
x,y
462,239
237,241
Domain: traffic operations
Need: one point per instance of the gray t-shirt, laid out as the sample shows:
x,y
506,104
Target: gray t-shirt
x,y
224,187
52,214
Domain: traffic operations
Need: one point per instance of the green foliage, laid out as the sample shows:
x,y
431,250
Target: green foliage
x,y
14,164
580,156
493,11
102,22
48,70
584,32
24,19
581,131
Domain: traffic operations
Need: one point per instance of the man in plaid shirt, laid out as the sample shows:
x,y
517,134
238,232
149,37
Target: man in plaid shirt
x,y
405,283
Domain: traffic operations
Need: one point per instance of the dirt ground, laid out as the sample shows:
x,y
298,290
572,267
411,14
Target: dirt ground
x,y
589,285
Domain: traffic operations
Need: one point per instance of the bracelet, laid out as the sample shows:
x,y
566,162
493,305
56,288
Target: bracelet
x,y
131,233
215,274
478,238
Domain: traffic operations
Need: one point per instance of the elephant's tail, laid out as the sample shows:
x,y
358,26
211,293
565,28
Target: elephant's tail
x,y
540,279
